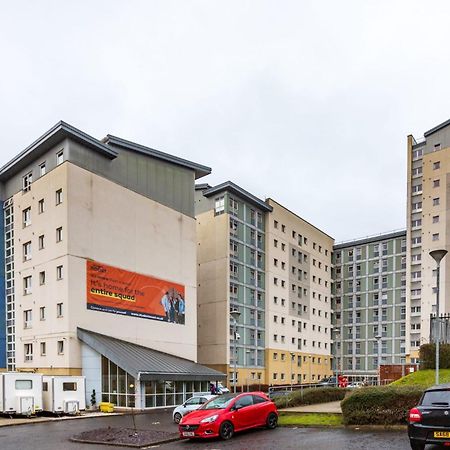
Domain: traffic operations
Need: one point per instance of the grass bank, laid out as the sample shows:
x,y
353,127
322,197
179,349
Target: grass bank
x,y
310,419
423,378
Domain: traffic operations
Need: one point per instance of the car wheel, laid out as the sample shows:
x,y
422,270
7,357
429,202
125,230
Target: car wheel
x,y
177,417
417,445
226,430
272,421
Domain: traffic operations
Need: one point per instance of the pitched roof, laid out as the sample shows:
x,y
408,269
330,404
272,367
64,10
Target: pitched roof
x,y
237,190
48,140
200,170
146,363
63,130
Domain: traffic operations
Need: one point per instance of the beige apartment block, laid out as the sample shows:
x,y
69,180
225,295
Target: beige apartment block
x,y
298,299
427,230
100,268
231,276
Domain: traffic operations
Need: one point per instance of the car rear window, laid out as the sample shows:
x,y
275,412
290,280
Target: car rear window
x,y
258,399
436,397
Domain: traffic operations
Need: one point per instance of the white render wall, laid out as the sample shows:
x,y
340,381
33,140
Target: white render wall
x,y
108,223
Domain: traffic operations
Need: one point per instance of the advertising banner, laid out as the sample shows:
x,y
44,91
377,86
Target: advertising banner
x,y
118,291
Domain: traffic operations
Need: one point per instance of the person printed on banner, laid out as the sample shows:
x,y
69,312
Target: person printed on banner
x,y
166,305
171,308
181,309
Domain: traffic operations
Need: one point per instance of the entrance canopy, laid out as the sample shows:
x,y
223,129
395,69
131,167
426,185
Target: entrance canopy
x,y
144,363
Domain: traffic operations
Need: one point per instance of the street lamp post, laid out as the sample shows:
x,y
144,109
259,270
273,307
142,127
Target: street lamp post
x,y
437,255
309,356
378,338
292,359
235,315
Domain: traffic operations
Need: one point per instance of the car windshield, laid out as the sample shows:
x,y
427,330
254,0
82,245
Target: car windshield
x,y
221,402
437,398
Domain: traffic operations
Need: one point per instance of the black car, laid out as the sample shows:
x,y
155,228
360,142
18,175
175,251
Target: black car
x,y
429,421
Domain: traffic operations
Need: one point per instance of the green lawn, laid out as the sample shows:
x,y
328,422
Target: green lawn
x,y
423,378
311,419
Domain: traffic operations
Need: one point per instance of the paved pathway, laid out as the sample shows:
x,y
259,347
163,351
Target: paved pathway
x,y
331,408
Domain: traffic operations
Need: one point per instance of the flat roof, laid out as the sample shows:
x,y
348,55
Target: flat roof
x,y
200,170
370,239
145,363
237,190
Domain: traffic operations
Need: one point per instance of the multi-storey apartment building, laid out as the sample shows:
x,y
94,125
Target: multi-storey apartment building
x,y
100,266
298,298
369,304
259,258
231,276
427,219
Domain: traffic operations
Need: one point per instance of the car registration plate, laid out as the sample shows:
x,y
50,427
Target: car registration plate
x,y
188,434
441,434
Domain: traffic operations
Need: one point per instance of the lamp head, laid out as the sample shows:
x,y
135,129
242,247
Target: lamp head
x,y
437,255
235,314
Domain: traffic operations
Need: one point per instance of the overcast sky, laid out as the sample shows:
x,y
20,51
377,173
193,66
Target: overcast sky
x,y
308,102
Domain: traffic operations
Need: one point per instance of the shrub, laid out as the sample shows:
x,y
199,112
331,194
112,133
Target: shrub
x,y
251,388
310,396
381,405
427,355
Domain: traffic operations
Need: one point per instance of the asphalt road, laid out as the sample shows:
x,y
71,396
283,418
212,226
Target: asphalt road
x,y
55,436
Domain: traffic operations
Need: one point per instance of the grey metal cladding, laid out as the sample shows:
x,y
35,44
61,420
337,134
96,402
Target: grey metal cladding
x,y
166,183
48,140
145,363
200,170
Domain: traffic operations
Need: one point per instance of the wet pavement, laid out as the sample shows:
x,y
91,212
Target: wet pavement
x,y
304,438
55,436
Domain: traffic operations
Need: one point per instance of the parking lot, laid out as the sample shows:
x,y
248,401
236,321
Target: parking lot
x,y
55,435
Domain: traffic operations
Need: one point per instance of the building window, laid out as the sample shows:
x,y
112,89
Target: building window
x,y
43,349
27,251
436,201
28,352
27,285
435,237
27,317
26,217
42,313
41,242
60,157
42,169
435,219
42,277
59,234
59,196
26,181
436,165
436,183
283,228
41,206
219,207
59,310
59,272
60,347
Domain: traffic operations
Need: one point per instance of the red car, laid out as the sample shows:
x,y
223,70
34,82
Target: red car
x,y
224,415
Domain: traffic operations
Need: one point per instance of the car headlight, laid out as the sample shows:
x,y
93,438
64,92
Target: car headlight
x,y
210,419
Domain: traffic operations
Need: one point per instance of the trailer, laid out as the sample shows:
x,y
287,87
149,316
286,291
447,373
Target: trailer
x,y
64,394
20,393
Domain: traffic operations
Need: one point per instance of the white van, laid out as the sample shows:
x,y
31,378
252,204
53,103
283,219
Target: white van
x,y
64,394
20,393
